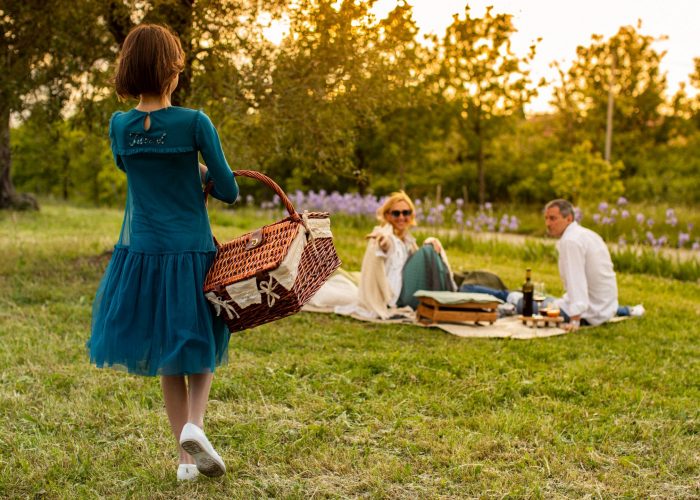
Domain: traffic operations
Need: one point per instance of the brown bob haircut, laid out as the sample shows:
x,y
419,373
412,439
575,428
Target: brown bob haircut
x,y
150,58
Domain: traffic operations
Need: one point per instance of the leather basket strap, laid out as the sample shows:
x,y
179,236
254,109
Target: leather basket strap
x,y
253,174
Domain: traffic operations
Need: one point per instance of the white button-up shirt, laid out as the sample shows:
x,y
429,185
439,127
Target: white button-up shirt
x,y
587,272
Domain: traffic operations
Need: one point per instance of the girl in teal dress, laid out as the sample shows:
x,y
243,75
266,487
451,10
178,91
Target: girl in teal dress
x,y
150,316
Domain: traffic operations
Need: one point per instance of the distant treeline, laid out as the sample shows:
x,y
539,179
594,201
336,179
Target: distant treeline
x,y
352,103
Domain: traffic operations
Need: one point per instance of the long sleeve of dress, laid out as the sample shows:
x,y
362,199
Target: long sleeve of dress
x,y
113,145
225,186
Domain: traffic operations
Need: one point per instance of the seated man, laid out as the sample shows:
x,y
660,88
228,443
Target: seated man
x,y
586,270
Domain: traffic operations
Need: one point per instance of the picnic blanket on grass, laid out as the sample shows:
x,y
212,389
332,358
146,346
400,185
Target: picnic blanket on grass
x,y
508,327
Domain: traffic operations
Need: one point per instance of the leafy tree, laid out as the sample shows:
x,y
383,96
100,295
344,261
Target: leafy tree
x,y
584,177
81,167
486,82
626,65
320,94
44,48
393,149
207,29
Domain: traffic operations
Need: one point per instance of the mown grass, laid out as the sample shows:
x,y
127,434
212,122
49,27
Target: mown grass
x,y
322,406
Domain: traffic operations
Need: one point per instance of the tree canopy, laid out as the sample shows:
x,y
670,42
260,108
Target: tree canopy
x,y
346,101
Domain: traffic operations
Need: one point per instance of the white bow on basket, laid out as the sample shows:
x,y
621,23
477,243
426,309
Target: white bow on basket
x,y
266,288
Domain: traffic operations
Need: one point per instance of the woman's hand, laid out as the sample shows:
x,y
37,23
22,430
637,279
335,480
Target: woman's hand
x,y
573,325
435,243
382,240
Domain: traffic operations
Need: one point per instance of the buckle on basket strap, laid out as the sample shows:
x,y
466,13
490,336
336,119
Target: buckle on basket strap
x,y
256,239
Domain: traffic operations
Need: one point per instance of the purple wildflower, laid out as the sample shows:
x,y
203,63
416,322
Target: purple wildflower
x,y
514,223
622,201
624,214
578,214
596,218
603,206
671,218
683,238
650,222
640,219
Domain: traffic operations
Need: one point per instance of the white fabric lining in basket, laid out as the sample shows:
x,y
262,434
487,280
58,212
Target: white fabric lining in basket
x,y
246,293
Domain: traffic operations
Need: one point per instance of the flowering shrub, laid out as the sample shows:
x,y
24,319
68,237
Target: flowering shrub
x,y
616,220
448,213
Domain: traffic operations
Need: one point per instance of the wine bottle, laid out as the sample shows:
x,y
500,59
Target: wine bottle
x,y
528,293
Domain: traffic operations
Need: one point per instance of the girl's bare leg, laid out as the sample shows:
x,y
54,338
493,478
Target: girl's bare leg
x,y
175,395
199,385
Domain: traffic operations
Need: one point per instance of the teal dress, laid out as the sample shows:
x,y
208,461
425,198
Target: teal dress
x,y
150,316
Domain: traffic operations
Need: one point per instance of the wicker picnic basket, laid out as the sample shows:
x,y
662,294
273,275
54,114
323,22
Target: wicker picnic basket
x,y
272,272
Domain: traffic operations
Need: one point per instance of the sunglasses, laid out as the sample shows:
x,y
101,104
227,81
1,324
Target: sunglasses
x,y
398,213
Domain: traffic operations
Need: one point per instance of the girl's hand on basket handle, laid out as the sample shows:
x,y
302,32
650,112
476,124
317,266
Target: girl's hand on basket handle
x,y
203,172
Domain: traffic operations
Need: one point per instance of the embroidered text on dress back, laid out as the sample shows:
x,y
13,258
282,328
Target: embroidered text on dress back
x,y
139,139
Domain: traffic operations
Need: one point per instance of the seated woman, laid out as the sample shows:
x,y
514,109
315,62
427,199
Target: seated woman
x,y
393,268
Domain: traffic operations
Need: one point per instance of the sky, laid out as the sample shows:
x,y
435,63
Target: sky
x,y
565,24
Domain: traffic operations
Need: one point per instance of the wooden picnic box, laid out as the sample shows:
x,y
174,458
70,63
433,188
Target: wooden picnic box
x,y
431,309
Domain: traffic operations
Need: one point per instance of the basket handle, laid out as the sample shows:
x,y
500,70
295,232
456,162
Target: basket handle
x,y
253,174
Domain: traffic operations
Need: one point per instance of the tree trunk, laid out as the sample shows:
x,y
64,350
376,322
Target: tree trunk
x,y
179,17
480,162
8,196
482,174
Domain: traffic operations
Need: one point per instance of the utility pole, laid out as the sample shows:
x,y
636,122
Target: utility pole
x,y
611,105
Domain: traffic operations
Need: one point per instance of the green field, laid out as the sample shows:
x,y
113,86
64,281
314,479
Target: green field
x,y
323,406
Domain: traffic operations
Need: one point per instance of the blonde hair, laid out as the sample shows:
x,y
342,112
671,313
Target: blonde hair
x,y
390,201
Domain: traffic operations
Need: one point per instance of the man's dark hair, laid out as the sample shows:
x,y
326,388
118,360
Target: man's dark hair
x,y
565,207
149,60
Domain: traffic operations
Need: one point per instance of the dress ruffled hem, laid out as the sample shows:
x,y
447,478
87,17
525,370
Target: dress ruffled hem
x,y
150,316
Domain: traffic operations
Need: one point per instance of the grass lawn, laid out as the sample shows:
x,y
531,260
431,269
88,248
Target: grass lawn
x,y
323,406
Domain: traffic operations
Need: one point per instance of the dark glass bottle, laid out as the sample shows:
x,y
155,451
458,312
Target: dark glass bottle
x,y
528,293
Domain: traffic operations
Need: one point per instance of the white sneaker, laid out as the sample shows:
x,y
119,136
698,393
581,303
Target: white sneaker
x,y
187,472
195,442
637,310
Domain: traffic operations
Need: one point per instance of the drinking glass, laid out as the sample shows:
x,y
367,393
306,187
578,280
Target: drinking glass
x,y
539,296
